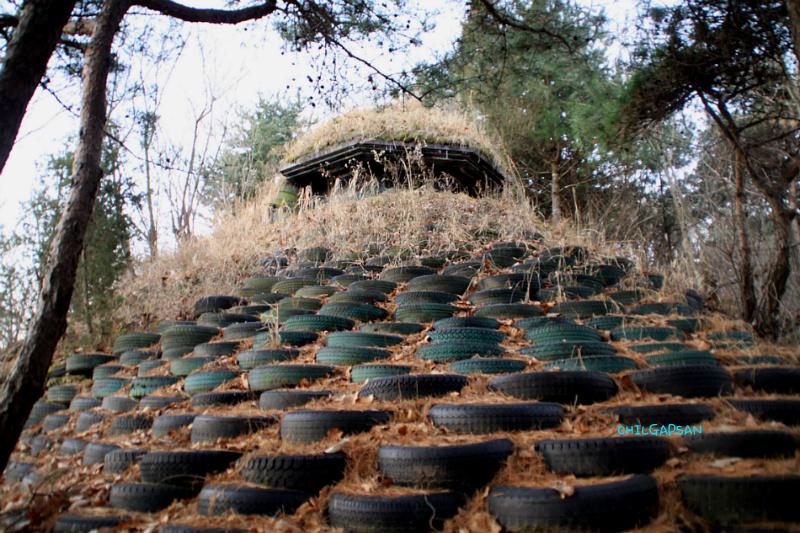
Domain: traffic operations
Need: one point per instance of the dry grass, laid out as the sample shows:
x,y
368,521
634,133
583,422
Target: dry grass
x,y
408,222
408,121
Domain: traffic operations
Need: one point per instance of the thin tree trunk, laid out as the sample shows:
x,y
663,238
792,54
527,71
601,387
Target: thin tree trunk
x,y
768,319
793,6
35,38
747,291
555,190
152,229
25,385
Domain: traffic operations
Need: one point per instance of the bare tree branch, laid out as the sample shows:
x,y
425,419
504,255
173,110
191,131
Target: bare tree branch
x,y
212,16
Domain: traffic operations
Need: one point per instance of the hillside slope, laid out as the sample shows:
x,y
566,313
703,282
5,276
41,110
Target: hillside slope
x,y
407,361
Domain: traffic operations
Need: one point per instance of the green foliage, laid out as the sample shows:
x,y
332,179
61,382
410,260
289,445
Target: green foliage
x,y
550,98
105,256
253,154
721,51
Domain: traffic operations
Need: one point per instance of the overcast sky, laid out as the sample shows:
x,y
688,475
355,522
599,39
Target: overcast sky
x,y
233,64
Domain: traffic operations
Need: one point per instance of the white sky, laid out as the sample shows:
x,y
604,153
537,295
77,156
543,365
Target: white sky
x,y
237,64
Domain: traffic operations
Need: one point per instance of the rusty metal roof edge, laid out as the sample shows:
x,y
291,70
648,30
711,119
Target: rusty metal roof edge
x,y
316,159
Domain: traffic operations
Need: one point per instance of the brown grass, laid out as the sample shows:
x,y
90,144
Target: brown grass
x,y
418,221
408,121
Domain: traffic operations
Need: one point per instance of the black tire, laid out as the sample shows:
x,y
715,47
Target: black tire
x,y
122,425
133,340
462,467
418,513
362,373
208,380
354,311
268,377
551,351
350,339
315,323
603,363
653,347
183,366
441,352
290,338
119,404
216,349
425,297
481,335
494,417
72,446
584,309
220,499
487,365
305,426
146,497
213,304
440,282
690,381
181,528
662,309
186,468
748,443
466,322
405,273
682,357
647,332
86,420
413,386
784,411
604,456
379,285
253,358
165,424
134,357
424,313
95,452
118,461
106,370
510,281
54,421
285,399
736,500
681,414
351,355
544,321
16,471
160,402
774,380
84,363
232,397
309,473
62,393
83,403
146,385
614,506
562,332
207,428
360,296
399,328
505,311
75,523
567,387
497,296
108,386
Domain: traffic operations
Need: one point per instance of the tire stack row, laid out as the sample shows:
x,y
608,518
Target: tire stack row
x,y
538,388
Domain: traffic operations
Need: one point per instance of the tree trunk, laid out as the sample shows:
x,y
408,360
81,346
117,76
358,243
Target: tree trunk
x,y
35,38
26,383
555,190
768,319
747,291
793,6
